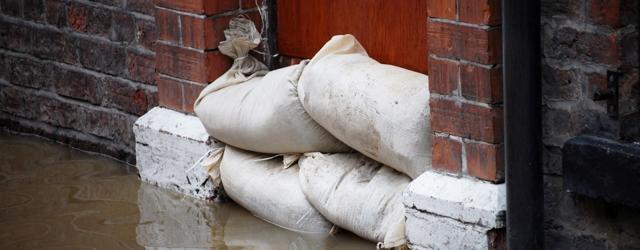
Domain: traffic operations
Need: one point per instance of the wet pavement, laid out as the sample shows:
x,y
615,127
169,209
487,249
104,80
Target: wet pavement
x,y
55,197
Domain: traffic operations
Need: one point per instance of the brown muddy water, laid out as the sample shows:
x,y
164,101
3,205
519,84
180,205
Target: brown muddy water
x,y
55,197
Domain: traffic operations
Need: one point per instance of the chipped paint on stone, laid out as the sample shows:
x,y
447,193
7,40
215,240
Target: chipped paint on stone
x,y
168,143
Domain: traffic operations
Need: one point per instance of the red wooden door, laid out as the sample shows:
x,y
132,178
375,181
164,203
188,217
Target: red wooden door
x,y
392,31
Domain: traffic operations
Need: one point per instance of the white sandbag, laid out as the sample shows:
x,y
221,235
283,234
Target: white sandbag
x,y
357,194
264,115
380,110
263,186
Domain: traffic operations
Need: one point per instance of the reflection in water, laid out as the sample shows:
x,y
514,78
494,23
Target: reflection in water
x,y
52,196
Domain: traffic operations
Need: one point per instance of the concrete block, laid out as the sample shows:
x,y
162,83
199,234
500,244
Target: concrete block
x,y
465,199
447,212
168,143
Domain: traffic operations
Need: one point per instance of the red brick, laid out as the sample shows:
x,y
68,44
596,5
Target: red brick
x,y
466,120
167,26
200,6
605,12
190,64
141,67
203,33
485,161
462,42
442,9
170,93
485,12
443,76
191,93
77,17
447,154
481,84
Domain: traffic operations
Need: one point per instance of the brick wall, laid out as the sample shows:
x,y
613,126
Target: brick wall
x,y
581,40
465,80
77,71
187,54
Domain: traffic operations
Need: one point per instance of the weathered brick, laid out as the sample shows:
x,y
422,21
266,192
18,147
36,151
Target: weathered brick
x,y
56,13
12,7
13,36
77,16
123,28
191,93
78,85
466,120
141,67
12,101
190,64
200,6
127,96
101,56
571,8
99,21
27,72
568,44
444,76
485,161
34,10
606,12
485,12
481,84
442,9
462,42
560,85
167,26
447,154
52,45
170,93
146,35
142,6
203,33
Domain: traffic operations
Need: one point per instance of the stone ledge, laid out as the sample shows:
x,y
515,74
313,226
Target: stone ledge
x,y
168,143
463,199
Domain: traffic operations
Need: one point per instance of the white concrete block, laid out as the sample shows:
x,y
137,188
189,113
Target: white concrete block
x,y
428,231
168,143
465,200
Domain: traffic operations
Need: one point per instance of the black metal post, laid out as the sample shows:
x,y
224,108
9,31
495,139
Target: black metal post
x,y
271,47
521,75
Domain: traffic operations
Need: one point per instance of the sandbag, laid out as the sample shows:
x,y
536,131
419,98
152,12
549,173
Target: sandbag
x,y
379,110
265,115
357,194
261,184
250,110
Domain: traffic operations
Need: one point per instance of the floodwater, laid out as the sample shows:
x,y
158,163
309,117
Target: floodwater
x,y
55,197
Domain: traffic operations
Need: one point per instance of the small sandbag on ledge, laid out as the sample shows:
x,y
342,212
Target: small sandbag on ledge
x,y
254,110
357,194
261,184
380,110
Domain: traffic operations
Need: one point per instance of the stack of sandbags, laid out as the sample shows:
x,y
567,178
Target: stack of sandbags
x,y
379,110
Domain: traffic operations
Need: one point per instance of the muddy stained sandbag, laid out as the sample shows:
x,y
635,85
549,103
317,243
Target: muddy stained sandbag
x,y
379,110
254,110
357,194
262,185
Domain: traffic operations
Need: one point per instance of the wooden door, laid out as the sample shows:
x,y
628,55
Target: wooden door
x,y
392,31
